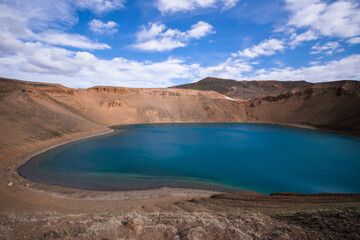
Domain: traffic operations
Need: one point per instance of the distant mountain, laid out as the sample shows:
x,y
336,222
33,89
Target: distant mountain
x,y
243,89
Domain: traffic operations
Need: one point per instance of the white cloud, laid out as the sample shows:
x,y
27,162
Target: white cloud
x,y
98,26
157,37
82,69
266,47
230,69
199,30
100,6
171,6
297,39
9,44
39,61
345,68
17,19
36,14
355,40
229,4
315,62
39,58
159,45
335,19
150,32
328,48
50,37
72,40
50,60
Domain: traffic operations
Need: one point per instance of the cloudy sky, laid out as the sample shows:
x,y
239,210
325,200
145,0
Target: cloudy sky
x,y
160,43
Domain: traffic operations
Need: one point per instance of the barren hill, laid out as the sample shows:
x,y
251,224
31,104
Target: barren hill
x,y
242,89
329,106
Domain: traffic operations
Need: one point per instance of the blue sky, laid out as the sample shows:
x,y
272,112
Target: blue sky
x,y
160,43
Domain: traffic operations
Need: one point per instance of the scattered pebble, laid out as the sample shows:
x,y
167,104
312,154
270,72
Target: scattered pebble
x,y
137,225
10,184
27,185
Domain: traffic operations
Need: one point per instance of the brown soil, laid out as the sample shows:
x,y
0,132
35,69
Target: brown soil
x,y
329,106
239,216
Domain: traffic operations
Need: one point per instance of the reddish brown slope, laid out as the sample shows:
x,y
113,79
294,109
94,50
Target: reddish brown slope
x,y
331,106
115,105
29,117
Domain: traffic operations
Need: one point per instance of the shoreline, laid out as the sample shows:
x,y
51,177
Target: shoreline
x,y
24,159
65,191
59,191
28,196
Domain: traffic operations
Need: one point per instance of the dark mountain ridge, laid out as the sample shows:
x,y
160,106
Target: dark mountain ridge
x,y
243,89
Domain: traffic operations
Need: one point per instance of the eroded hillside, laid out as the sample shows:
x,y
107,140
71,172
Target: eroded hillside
x,y
331,106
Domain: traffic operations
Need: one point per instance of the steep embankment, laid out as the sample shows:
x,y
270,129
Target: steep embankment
x,y
112,106
29,117
331,106
242,89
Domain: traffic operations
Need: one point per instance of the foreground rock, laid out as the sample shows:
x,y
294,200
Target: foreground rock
x,y
315,224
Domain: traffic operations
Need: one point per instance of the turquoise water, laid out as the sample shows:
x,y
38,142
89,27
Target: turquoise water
x,y
228,157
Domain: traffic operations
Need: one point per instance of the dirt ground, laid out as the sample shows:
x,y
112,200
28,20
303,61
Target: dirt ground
x,y
222,216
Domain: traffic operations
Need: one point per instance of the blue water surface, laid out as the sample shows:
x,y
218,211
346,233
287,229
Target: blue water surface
x,y
219,156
